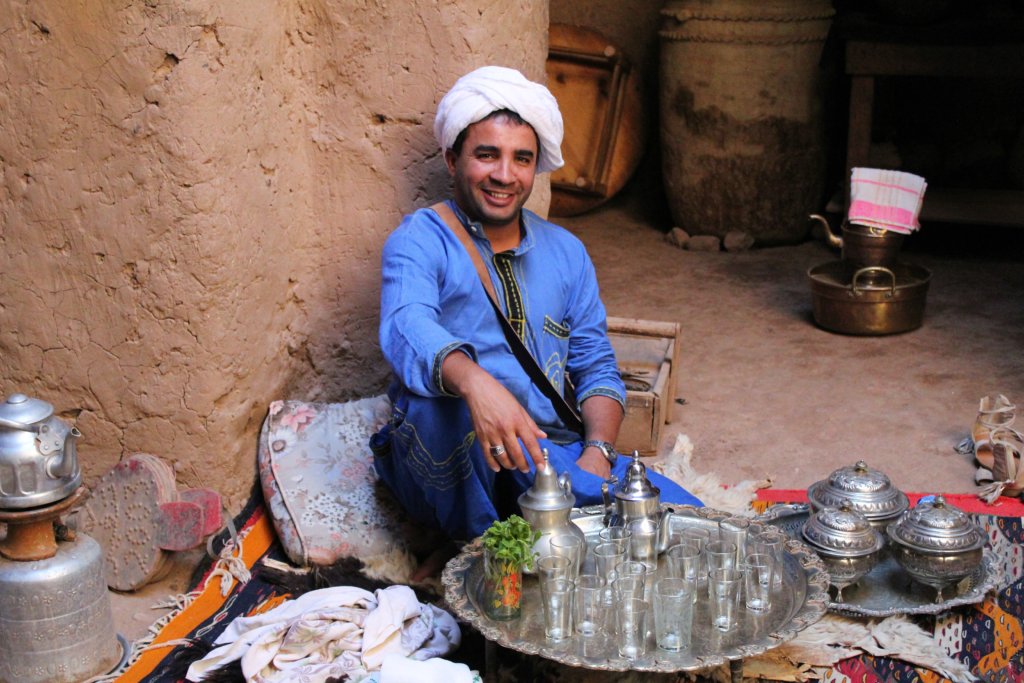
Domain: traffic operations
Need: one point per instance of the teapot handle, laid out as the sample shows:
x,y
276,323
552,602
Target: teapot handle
x,y
17,425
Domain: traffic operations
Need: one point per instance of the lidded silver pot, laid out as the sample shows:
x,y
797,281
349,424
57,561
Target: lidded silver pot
x,y
937,543
56,624
547,505
869,492
846,542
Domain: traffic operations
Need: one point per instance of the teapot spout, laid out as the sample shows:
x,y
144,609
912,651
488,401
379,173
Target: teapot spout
x,y
831,238
67,464
607,486
664,530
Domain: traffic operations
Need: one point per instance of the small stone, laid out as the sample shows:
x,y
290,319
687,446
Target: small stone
x,y
737,240
677,237
704,243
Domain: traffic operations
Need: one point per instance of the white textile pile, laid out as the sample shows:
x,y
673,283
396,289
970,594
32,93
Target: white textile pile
x,y
332,632
490,88
890,200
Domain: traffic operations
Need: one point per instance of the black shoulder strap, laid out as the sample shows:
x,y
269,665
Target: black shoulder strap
x,y
566,412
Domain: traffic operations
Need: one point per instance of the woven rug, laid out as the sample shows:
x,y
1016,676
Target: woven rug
x,y
988,636
256,576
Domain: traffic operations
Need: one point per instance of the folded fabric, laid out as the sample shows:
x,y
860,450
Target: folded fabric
x,y
332,632
398,669
890,200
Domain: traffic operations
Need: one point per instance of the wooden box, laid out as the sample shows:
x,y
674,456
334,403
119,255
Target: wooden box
x,y
647,352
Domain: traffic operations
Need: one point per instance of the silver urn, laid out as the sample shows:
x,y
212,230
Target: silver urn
x,y
869,492
547,505
938,544
847,543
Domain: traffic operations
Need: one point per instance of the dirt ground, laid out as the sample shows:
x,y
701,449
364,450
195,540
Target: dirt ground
x,y
770,395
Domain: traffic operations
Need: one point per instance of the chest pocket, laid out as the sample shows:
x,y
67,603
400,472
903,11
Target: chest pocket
x,y
560,330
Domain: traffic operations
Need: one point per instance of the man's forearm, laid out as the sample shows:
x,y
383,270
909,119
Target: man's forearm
x,y
602,417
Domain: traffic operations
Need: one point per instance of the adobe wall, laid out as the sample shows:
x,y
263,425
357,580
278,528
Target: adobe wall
x,y
194,197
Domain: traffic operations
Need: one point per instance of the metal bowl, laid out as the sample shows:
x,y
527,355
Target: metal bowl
x,y
846,542
938,544
869,492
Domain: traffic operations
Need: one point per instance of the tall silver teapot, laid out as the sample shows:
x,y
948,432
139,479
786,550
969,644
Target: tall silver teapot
x,y
547,505
634,502
38,457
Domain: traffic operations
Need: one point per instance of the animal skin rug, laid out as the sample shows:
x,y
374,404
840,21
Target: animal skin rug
x,y
709,487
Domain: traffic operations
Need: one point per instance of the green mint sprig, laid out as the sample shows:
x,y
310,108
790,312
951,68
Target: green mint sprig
x,y
512,540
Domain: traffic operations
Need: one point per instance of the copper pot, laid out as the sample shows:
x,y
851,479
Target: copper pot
x,y
874,301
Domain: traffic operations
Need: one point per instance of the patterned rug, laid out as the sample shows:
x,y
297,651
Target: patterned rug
x,y
988,637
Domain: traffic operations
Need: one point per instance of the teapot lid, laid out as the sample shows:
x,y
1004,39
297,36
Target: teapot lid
x,y
635,485
549,491
21,411
842,531
937,527
869,491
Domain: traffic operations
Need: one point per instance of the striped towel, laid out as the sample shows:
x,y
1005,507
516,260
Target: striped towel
x,y
890,200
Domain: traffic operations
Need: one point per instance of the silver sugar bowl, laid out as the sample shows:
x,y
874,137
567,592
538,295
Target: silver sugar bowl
x,y
938,544
846,542
869,492
547,505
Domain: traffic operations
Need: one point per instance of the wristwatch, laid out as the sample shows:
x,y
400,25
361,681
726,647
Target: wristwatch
x,y
607,449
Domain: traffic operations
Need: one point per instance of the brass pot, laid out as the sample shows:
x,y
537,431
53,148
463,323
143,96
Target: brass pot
x,y
874,301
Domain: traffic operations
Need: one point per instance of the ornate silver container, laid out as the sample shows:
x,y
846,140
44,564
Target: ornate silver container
x,y
546,506
938,544
38,459
869,492
847,543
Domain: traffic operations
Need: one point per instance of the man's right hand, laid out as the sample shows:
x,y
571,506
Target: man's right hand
x,y
499,420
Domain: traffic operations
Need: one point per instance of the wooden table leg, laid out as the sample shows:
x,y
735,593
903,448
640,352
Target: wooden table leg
x,y
736,670
858,136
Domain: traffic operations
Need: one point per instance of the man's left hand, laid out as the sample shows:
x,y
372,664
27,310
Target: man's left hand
x,y
592,460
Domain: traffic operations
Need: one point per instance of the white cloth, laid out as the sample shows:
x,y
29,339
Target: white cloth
x,y
398,669
490,88
330,633
890,200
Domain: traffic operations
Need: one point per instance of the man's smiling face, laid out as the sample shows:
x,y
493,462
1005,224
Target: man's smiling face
x,y
494,171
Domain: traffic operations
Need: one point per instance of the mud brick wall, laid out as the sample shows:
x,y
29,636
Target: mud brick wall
x,y
193,198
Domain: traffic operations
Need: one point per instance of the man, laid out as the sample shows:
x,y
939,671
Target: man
x,y
468,423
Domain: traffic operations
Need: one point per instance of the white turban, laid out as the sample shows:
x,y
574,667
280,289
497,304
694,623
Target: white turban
x,y
490,88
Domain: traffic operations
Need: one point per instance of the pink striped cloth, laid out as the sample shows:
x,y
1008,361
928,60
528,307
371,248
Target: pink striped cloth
x,y
890,200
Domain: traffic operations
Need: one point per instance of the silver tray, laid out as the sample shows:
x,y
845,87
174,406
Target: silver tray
x,y
801,602
888,590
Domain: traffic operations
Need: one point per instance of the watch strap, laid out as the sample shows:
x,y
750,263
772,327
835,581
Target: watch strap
x,y
606,448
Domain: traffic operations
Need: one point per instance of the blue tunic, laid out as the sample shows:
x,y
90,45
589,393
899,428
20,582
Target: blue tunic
x,y
432,304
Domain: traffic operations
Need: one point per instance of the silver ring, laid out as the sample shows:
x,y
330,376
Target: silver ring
x,y
497,451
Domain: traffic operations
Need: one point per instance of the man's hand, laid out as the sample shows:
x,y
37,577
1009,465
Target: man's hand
x,y
498,419
592,460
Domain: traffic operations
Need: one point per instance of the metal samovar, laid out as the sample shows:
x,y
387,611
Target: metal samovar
x,y
56,624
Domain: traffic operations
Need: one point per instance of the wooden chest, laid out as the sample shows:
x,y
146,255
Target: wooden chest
x,y
648,356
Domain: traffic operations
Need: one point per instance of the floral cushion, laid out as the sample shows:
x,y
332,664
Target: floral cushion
x,y
316,470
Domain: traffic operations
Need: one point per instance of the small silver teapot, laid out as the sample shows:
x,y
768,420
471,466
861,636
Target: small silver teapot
x,y
38,457
637,503
546,506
